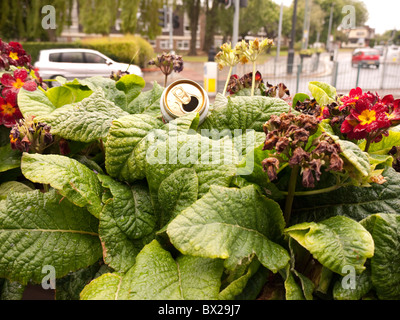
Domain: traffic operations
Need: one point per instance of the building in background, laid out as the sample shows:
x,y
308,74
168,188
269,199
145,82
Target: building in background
x,y
181,34
358,37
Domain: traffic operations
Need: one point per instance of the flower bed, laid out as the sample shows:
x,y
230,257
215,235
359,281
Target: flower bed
x,y
272,196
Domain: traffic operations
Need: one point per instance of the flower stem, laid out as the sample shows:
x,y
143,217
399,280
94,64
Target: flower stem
x,y
290,193
227,81
165,80
319,191
253,80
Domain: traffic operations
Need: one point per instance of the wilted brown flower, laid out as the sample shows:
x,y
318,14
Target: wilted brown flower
x,y
27,136
167,63
289,135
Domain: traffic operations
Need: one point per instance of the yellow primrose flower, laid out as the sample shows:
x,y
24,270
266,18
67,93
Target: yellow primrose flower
x,y
227,57
250,51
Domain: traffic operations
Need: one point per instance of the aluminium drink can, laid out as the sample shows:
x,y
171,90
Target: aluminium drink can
x,y
181,97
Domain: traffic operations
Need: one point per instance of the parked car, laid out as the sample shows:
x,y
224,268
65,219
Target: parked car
x,y
78,63
366,57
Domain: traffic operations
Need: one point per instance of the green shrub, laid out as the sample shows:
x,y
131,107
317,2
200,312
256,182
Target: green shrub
x,y
121,49
34,47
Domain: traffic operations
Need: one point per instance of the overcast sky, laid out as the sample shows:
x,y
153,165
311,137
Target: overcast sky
x,y
383,14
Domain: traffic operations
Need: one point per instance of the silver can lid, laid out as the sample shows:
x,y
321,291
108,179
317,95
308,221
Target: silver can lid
x,y
181,97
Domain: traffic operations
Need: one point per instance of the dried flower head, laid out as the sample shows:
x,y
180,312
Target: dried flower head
x,y
116,75
168,63
28,136
288,135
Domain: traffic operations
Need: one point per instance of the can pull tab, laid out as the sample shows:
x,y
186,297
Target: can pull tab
x,y
181,95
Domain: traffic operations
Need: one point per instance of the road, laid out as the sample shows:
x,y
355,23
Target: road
x,y
384,80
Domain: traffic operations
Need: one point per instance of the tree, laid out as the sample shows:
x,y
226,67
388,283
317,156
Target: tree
x,y
129,19
21,19
211,24
148,20
193,10
97,16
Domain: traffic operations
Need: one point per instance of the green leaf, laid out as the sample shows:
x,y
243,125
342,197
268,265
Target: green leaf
x,y
12,186
157,276
214,161
34,103
336,242
343,291
299,97
177,192
70,286
105,287
350,151
123,146
43,229
71,178
322,92
354,202
9,158
60,96
108,87
119,250
148,102
385,264
243,113
127,222
215,226
383,147
131,85
11,290
237,286
133,211
85,121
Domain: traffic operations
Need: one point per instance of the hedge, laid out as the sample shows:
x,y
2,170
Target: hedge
x,y
119,49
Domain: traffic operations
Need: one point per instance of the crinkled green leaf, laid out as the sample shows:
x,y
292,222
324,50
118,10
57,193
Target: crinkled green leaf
x,y
85,121
354,202
336,242
127,222
133,211
43,229
123,146
72,179
105,287
12,186
177,192
385,264
231,224
70,286
342,289
131,85
157,276
148,102
322,92
34,103
237,286
9,158
214,161
244,113
11,290
108,87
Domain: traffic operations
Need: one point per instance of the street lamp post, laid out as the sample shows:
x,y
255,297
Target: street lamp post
x,y
290,60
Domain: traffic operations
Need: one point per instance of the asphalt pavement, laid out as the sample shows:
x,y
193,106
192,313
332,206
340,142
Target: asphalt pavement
x,y
384,80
